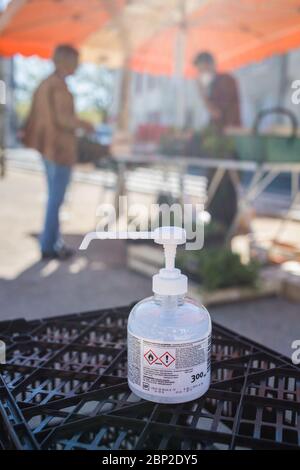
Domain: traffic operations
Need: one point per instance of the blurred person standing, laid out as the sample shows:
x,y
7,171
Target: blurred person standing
x,y
51,129
219,92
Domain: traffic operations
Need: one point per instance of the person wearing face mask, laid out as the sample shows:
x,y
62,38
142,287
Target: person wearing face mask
x,y
51,129
219,92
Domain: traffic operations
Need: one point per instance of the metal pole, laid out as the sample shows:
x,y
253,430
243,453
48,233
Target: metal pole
x,y
2,117
124,103
283,81
179,65
123,115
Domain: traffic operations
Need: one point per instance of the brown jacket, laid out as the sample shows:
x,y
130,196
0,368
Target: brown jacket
x,y
52,122
224,96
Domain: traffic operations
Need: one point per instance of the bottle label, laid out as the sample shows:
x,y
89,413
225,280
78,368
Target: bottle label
x,y
168,369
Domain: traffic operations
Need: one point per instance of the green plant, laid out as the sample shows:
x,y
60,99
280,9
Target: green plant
x,y
216,144
221,268
214,231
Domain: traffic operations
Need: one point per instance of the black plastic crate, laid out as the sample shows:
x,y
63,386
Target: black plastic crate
x,y
64,387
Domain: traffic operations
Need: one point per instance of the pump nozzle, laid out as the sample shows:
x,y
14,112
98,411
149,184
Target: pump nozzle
x,y
169,237
169,281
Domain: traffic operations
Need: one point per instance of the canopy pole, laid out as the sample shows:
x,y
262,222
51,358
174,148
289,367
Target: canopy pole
x,y
123,115
283,81
2,117
180,48
125,44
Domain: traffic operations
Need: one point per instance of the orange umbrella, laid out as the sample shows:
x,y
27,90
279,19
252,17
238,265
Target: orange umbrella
x,y
105,31
37,26
237,32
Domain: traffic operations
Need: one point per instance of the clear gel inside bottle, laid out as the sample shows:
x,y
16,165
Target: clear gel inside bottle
x,y
177,331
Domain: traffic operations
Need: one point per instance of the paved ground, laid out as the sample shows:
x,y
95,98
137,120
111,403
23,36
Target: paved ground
x,y
99,277
273,322
31,288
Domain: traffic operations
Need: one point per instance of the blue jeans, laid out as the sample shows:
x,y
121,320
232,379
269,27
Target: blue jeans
x,y
58,177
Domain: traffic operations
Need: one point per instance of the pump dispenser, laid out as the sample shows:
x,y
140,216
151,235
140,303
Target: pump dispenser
x,y
169,335
169,281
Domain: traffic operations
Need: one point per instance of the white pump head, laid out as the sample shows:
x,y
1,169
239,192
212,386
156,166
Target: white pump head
x,y
169,281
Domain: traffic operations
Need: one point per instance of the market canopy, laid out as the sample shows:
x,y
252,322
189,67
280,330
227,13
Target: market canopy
x,y
237,32
105,31
149,31
31,27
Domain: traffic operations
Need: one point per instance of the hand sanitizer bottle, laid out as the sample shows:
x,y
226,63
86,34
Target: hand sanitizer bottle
x,y
169,335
